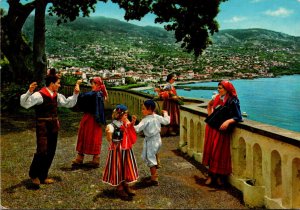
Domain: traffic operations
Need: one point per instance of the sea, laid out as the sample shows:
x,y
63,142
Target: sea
x,y
274,101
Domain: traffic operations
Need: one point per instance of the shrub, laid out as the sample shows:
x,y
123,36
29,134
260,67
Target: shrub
x,y
10,97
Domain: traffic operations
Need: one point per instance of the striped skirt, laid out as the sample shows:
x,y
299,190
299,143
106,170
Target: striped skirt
x,y
120,166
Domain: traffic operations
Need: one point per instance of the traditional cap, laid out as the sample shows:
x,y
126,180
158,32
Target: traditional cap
x,y
121,108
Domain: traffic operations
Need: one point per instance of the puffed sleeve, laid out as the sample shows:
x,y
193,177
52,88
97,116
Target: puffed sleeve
x,y
67,102
28,100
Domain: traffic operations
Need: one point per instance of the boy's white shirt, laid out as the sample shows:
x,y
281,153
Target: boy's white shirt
x,y
151,124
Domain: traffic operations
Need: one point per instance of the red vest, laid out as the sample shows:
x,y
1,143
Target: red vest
x,y
49,106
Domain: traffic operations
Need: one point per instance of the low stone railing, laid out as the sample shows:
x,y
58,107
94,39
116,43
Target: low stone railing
x,y
265,159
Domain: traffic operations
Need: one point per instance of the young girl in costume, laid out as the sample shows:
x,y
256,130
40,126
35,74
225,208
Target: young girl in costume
x,y
90,131
151,126
121,168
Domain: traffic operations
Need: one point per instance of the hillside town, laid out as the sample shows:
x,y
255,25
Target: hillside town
x,y
117,77
147,74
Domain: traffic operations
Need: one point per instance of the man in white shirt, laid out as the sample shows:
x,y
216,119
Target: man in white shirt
x,y
45,102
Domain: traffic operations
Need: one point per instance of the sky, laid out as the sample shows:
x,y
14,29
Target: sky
x,y
277,15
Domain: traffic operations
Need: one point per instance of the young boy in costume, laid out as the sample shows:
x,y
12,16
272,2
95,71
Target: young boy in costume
x,y
121,168
151,126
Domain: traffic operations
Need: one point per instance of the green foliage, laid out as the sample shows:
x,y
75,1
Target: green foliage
x,y
192,21
10,97
6,72
129,86
109,44
129,80
4,61
69,79
285,70
223,75
66,63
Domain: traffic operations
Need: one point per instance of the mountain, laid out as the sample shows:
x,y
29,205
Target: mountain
x,y
256,36
102,42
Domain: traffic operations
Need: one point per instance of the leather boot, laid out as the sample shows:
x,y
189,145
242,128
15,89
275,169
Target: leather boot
x,y
78,160
48,181
121,192
95,162
36,181
154,177
128,189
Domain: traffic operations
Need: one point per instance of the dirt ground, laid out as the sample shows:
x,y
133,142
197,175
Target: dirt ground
x,y
181,178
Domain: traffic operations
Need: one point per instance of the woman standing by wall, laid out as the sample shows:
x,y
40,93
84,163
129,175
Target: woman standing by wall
x,y
216,154
171,103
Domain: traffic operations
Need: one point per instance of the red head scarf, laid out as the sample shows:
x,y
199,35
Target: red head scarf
x,y
229,87
100,85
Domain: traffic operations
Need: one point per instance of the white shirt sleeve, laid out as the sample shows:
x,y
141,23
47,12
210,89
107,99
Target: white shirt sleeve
x,y
69,102
138,128
28,100
110,128
165,120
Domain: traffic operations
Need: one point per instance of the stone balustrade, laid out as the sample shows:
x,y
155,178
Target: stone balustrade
x,y
265,158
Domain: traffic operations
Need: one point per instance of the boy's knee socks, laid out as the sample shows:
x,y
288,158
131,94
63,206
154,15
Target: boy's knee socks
x,y
154,174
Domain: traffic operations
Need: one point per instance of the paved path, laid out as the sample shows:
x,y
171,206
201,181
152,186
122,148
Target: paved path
x,y
182,184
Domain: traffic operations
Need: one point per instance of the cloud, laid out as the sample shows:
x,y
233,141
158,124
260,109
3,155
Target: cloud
x,y
280,12
236,19
298,1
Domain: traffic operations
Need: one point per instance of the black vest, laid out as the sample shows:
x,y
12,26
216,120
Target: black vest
x,y
48,108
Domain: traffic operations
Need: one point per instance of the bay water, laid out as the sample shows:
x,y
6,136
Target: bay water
x,y
274,101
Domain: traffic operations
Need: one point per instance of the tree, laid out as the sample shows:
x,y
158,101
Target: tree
x,y
129,80
193,21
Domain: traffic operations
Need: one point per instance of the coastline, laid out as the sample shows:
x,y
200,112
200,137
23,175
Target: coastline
x,y
256,103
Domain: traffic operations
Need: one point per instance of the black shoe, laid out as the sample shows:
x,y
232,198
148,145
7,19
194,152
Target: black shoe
x,y
152,183
130,191
123,195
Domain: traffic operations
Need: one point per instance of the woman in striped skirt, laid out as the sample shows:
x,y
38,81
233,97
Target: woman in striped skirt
x,y
121,168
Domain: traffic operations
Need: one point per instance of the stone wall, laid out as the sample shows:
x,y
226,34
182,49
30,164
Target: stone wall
x,y
265,159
